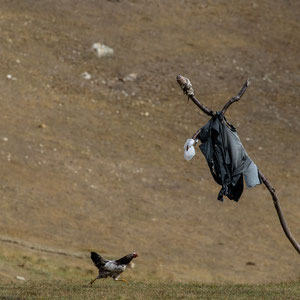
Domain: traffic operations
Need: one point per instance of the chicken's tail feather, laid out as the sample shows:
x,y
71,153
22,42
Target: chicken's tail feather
x,y
97,259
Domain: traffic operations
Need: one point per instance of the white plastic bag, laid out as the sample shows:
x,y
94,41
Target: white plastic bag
x,y
189,150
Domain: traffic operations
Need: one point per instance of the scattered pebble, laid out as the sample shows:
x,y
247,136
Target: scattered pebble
x,y
9,76
86,75
130,77
125,93
21,278
102,50
5,139
267,78
42,125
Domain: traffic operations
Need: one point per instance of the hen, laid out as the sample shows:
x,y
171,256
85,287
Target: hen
x,y
111,268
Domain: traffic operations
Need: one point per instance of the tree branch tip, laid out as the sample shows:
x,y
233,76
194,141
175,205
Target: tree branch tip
x,y
182,81
185,85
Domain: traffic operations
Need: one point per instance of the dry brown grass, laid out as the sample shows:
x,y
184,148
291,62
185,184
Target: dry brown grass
x,y
101,175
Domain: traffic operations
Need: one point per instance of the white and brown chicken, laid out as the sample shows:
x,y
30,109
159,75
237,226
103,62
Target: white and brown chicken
x,y
111,268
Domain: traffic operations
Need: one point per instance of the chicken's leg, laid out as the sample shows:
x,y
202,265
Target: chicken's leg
x,y
124,280
93,281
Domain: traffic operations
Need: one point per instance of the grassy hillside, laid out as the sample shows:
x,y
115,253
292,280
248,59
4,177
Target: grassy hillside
x,y
97,164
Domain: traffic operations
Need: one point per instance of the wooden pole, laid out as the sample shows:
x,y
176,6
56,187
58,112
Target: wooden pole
x,y
187,88
279,212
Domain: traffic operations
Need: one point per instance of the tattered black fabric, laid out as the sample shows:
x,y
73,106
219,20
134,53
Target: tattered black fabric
x,y
227,159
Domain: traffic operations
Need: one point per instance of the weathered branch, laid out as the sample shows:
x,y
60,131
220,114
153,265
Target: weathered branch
x,y
236,98
196,134
279,212
186,86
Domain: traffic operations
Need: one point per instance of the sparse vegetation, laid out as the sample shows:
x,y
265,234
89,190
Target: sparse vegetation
x,y
107,289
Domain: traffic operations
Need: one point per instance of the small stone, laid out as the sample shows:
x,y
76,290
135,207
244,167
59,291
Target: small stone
x,y
5,139
42,125
86,75
9,76
102,50
21,278
125,93
130,77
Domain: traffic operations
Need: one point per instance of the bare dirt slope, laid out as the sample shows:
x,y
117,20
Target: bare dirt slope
x,y
98,164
